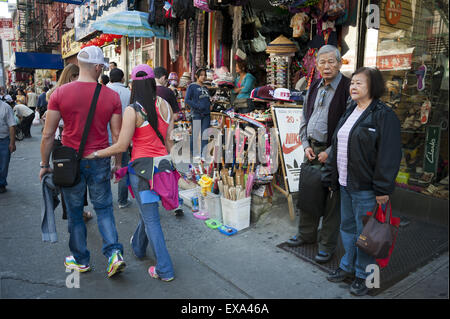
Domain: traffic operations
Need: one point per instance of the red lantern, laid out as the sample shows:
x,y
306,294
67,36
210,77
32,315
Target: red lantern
x,y
103,36
100,42
109,38
89,43
95,42
83,45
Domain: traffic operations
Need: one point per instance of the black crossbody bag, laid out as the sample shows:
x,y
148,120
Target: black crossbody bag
x,y
66,160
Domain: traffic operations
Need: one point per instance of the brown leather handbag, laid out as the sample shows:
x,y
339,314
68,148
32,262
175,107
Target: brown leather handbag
x,y
376,238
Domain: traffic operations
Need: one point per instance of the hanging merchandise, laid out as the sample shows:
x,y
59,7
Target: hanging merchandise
x,y
239,2
199,45
168,7
218,4
298,22
237,24
173,43
202,5
258,44
333,9
156,12
249,26
183,9
309,62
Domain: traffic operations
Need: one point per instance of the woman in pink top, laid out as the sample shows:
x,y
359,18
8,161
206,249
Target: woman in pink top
x,y
147,122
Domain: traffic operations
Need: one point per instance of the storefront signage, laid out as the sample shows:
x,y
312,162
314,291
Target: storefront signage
x,y
288,125
69,46
393,11
6,29
92,10
394,62
432,145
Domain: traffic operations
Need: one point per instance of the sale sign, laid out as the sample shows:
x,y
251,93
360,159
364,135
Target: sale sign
x,y
288,125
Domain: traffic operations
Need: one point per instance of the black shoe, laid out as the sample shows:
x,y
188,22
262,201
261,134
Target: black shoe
x,y
323,257
339,275
179,212
358,287
2,189
295,241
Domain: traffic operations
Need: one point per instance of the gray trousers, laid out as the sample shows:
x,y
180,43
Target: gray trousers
x,y
331,219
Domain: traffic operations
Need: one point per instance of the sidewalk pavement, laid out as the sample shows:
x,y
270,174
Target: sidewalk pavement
x,y
208,264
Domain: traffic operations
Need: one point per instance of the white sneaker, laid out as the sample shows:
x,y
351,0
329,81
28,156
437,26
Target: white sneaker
x,y
128,203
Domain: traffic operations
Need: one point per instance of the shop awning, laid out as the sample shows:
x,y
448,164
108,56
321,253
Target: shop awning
x,y
32,60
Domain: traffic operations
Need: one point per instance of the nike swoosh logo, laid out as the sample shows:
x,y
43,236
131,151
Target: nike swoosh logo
x,y
287,150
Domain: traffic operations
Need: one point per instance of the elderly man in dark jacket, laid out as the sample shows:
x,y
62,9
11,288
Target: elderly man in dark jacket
x,y
325,102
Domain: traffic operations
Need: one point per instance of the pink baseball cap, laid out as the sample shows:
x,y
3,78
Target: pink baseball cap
x,y
145,68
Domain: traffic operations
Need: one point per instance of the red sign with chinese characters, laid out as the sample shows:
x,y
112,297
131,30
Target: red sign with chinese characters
x,y
393,11
394,62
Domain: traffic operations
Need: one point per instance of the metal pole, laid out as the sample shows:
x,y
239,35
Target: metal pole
x,y
2,70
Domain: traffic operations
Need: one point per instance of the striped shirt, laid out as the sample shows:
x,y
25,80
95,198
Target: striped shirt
x,y
342,145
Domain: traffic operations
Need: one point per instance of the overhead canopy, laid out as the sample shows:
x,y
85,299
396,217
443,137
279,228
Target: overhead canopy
x,y
32,60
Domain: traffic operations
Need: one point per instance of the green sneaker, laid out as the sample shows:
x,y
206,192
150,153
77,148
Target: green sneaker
x,y
71,263
115,264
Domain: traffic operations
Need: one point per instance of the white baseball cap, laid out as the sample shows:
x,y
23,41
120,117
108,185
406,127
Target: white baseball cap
x,y
93,54
282,94
8,98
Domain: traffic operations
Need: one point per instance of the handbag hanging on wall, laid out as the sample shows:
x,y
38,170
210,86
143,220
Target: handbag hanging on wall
x,y
66,160
258,44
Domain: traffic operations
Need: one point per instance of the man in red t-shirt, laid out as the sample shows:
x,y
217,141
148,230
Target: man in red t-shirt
x,y
72,102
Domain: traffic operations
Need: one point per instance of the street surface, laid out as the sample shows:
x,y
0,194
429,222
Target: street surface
x,y
208,264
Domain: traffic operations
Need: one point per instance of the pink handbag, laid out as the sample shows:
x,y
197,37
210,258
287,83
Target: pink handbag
x,y
202,5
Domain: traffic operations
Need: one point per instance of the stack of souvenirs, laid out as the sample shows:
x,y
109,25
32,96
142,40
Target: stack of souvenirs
x,y
278,65
224,81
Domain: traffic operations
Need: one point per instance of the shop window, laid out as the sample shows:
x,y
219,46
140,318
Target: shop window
x,y
411,50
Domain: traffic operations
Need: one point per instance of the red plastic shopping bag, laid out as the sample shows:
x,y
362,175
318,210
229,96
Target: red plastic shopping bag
x,y
395,221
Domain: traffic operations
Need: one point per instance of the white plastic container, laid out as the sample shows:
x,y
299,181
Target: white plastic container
x,y
187,194
212,202
236,213
214,206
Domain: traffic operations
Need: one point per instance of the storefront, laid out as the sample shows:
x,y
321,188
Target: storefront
x,y
401,38
411,49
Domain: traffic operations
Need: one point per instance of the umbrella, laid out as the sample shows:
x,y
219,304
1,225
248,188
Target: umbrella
x,y
130,23
250,181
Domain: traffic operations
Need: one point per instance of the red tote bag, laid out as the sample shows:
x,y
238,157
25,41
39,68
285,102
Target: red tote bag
x,y
395,221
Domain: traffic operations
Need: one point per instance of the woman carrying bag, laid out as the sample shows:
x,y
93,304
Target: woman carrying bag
x,y
363,163
147,122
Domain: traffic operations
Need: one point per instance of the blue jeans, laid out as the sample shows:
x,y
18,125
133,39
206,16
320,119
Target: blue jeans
x,y
122,187
5,156
149,230
355,205
95,174
205,123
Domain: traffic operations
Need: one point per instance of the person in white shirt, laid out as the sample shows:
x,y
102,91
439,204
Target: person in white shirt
x,y
26,117
32,99
116,80
7,140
